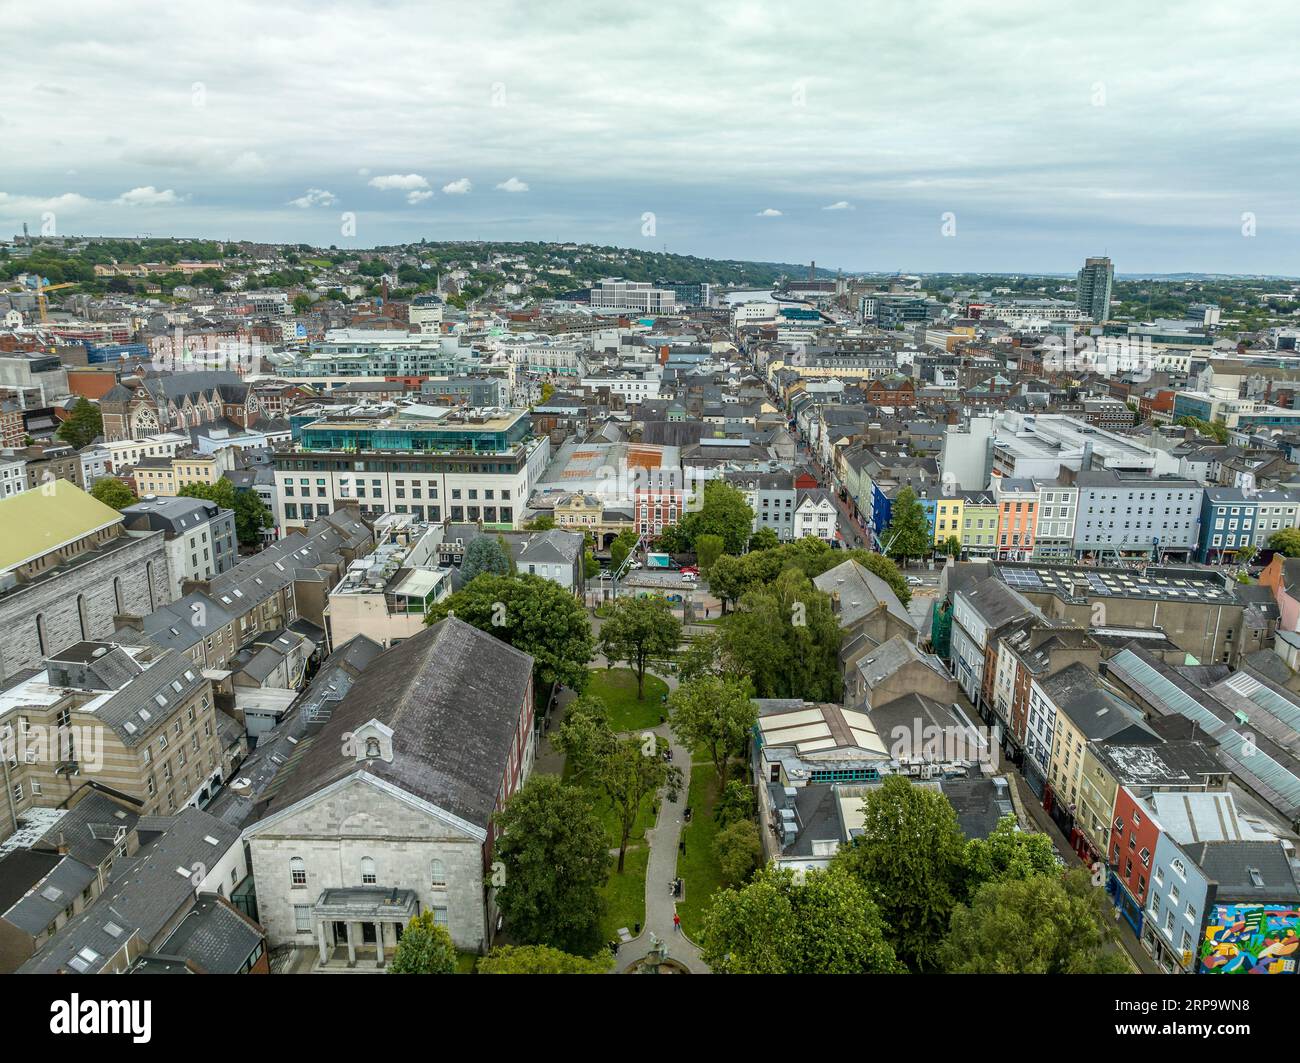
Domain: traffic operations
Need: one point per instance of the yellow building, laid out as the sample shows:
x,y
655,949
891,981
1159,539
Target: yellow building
x,y
166,477
947,519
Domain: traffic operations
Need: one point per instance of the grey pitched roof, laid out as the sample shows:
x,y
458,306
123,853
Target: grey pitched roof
x,y
89,829
54,893
151,698
860,592
1230,864
213,936
452,696
144,897
1077,691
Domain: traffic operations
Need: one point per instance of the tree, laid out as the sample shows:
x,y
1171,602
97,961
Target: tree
x,y
735,802
952,546
584,738
425,948
824,924
555,856
1246,554
84,424
909,856
764,539
484,554
638,630
621,547
908,533
533,614
738,850
1286,542
301,303
1007,853
1044,924
786,638
541,522
628,774
715,715
113,492
590,566
724,512
708,548
540,959
251,515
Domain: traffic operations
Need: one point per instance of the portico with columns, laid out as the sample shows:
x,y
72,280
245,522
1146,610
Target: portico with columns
x,y
361,923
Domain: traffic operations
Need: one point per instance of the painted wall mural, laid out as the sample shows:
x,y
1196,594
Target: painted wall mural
x,y
1251,939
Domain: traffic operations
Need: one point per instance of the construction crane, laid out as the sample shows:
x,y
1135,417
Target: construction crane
x,y
39,289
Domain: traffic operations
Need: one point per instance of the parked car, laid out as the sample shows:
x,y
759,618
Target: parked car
x,y
915,581
689,577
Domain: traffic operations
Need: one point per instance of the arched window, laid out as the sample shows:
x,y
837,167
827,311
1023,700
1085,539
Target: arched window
x,y
438,874
297,872
367,871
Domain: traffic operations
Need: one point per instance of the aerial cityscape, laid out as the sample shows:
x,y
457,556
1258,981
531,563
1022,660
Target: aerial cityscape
x,y
444,565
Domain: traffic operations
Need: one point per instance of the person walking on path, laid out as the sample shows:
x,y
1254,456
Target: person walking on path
x,y
677,922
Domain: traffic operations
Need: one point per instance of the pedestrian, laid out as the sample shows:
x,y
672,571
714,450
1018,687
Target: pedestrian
x,y
706,612
677,922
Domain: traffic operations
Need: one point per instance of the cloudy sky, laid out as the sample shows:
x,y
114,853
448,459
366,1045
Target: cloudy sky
x,y
999,135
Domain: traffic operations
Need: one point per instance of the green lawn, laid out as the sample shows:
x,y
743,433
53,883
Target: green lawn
x,y
609,818
698,869
625,895
616,687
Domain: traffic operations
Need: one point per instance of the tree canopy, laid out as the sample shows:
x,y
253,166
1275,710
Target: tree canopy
x,y
533,614
823,922
715,716
555,859
908,532
1286,541
84,424
113,492
638,630
251,514
541,959
723,512
425,948
484,554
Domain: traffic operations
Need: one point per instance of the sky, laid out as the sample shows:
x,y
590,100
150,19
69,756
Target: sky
x,y
867,135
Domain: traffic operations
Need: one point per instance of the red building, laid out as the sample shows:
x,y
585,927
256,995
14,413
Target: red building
x,y
1133,835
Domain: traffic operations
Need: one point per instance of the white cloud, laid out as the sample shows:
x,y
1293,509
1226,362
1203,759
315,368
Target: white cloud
x,y
771,212
247,163
841,204
457,188
148,196
513,185
69,202
417,197
314,197
401,182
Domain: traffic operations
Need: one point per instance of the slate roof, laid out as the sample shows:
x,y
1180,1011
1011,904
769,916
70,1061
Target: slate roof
x,y
62,885
143,897
214,937
1230,863
452,696
88,828
860,591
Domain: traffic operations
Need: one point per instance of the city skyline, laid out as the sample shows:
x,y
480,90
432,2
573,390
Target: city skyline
x,y
946,139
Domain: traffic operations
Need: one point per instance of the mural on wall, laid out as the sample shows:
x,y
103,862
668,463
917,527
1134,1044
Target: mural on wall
x,y
1251,939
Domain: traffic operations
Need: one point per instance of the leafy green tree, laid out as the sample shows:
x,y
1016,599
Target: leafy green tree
x,y
85,422
1043,924
484,554
555,856
952,546
738,850
735,802
708,548
764,539
1286,542
113,492
1007,853
540,959
532,614
638,630
621,547
629,774
541,522
824,924
590,566
724,512
908,533
425,948
584,738
301,303
251,514
909,857
715,716
786,638
1246,554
